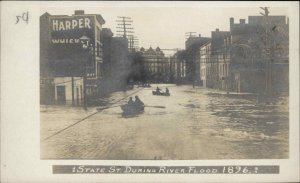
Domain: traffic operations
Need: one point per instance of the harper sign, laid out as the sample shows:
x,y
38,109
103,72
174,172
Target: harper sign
x,y
61,25
68,30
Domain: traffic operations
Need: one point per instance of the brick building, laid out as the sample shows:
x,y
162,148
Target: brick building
x,y
70,57
157,66
257,48
205,65
116,62
240,59
192,55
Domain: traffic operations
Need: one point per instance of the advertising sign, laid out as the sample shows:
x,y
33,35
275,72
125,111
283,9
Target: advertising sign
x,y
68,30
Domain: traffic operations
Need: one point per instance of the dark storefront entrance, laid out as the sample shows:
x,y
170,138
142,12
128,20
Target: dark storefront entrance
x,y
61,94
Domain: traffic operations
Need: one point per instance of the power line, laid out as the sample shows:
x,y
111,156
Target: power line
x,y
124,29
133,42
83,119
190,34
124,24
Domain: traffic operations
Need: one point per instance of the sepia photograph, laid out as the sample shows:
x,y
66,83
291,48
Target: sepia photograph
x,y
145,84
149,91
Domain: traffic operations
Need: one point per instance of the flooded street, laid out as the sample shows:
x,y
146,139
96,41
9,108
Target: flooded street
x,y
196,123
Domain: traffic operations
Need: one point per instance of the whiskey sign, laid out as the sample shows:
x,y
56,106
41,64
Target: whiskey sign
x,y
68,30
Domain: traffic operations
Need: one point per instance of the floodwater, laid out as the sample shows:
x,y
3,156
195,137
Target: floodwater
x,y
191,124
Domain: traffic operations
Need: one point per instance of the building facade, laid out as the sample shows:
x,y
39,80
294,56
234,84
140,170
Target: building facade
x,y
70,47
205,64
192,55
116,62
219,58
259,54
251,57
179,66
157,66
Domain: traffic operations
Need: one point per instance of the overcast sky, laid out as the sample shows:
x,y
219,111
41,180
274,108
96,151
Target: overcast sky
x,y
165,24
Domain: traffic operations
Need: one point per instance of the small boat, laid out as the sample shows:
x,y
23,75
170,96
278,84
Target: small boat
x,y
129,109
144,86
161,93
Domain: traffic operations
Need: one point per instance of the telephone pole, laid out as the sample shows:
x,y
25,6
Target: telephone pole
x,y
190,34
269,51
133,42
124,24
125,30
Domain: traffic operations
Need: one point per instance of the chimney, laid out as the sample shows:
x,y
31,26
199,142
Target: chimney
x,y
242,21
199,35
79,12
217,30
231,23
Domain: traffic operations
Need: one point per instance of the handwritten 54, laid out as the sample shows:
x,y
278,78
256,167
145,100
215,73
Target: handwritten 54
x,y
24,17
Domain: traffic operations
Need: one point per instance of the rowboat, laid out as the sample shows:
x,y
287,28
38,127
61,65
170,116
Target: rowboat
x,y
160,93
129,109
144,86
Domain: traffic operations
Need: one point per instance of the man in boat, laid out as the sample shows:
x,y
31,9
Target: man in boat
x,y
130,102
157,90
138,101
167,91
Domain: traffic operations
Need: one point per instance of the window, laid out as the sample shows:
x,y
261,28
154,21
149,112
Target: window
x,y
99,50
98,33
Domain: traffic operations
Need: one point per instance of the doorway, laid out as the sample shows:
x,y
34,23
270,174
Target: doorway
x,y
61,94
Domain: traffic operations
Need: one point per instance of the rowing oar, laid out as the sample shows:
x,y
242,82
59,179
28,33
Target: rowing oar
x,y
154,106
100,109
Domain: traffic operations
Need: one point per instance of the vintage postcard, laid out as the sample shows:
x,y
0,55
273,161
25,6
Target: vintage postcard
x,y
172,91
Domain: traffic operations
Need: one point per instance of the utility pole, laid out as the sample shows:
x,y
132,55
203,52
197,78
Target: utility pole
x,y
125,30
123,25
73,100
190,34
133,42
269,51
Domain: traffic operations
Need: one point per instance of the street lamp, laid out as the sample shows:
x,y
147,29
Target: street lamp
x,y
85,40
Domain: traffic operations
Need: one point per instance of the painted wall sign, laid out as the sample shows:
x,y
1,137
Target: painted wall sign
x,y
68,30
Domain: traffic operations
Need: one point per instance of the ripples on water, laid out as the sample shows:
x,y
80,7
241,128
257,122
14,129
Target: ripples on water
x,y
255,128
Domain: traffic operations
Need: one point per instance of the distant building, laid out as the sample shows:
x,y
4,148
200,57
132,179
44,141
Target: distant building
x,y
64,62
157,66
205,65
219,58
214,60
120,62
116,64
179,66
224,63
192,55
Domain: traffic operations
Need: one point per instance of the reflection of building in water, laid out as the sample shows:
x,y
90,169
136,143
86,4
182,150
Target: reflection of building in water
x,y
157,66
